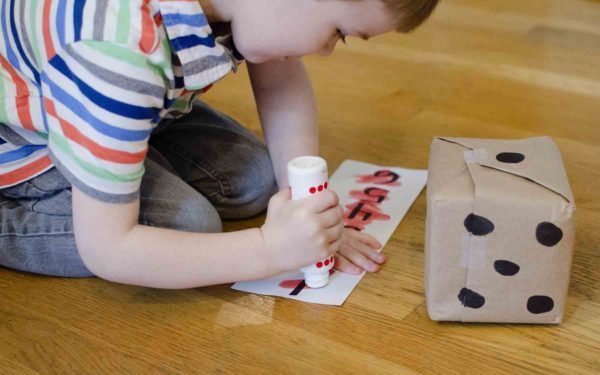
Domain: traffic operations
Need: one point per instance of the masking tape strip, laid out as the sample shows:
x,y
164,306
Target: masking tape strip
x,y
476,156
473,250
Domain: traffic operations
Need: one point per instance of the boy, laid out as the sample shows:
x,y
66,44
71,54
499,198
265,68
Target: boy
x,y
108,169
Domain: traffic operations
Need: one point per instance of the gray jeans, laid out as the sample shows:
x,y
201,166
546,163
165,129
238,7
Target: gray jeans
x,y
200,168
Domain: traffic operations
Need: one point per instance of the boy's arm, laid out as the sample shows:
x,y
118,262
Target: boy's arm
x,y
286,105
115,247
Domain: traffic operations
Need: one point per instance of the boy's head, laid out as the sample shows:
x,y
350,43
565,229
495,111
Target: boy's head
x,y
275,29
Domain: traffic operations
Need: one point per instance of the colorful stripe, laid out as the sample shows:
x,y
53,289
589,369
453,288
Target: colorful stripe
x,y
22,94
147,39
191,20
190,41
72,133
61,10
25,172
33,13
78,18
123,20
20,153
48,43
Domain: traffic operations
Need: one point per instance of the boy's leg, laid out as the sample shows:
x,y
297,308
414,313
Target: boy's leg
x,y
36,228
220,158
166,201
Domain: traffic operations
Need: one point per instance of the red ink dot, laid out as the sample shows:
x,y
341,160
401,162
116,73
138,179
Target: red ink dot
x,y
320,187
331,259
326,184
326,262
313,190
319,265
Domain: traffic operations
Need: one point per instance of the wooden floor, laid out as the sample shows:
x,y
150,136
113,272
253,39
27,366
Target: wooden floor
x,y
479,68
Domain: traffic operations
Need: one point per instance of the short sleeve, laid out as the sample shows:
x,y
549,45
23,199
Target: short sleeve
x,y
102,101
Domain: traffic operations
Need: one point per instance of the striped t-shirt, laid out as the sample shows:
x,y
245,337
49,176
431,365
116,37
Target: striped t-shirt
x,y
83,83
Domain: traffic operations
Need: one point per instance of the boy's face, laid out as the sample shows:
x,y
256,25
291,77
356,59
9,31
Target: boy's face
x,y
275,29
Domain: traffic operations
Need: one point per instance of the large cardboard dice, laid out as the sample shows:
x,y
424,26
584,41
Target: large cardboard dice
x,y
500,231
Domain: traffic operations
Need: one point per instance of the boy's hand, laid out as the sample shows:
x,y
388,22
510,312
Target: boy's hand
x,y
357,253
298,233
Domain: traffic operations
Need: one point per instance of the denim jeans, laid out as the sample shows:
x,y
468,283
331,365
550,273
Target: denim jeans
x,y
200,168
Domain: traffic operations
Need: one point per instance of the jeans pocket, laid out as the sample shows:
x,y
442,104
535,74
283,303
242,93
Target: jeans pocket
x,y
49,182
23,190
59,203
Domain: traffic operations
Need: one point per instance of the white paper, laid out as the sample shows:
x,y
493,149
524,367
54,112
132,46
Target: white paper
x,y
351,181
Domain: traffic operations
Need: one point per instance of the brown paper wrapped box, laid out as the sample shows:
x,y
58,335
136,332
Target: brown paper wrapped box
x,y
500,231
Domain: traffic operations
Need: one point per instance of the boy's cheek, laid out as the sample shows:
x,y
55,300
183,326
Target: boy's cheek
x,y
253,54
249,49
253,57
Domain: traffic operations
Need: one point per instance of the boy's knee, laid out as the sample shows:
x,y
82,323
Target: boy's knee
x,y
168,202
254,186
196,214
192,213
182,209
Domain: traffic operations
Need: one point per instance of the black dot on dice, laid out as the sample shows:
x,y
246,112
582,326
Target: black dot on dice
x,y
539,304
478,225
470,298
506,268
510,157
548,234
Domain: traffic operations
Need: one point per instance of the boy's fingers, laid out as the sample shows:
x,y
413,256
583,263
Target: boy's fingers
x,y
368,252
322,201
335,246
344,265
334,233
367,239
360,260
331,217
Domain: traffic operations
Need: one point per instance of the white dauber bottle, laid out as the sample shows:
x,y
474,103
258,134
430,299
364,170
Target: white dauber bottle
x,y
307,175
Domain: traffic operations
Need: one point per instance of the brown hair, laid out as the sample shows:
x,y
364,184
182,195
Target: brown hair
x,y
409,14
